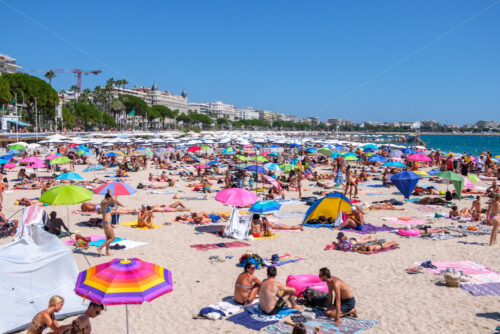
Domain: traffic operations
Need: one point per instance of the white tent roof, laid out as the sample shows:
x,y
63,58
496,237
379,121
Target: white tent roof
x,y
33,268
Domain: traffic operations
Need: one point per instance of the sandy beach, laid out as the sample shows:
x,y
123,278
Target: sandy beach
x,y
399,302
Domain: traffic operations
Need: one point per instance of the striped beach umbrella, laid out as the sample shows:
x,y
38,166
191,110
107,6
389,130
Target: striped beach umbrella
x,y
116,188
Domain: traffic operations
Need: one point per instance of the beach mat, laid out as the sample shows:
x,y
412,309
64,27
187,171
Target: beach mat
x,y
213,229
328,326
486,289
92,237
478,274
284,259
269,237
331,247
318,225
369,228
98,243
413,221
205,247
133,224
254,318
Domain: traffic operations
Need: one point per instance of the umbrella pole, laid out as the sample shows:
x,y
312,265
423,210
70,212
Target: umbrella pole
x,y
126,316
67,213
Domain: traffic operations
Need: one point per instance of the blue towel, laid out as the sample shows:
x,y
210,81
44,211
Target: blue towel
x,y
99,242
253,318
318,225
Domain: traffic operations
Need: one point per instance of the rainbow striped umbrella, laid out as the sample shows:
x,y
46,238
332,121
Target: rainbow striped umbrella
x,y
116,188
124,281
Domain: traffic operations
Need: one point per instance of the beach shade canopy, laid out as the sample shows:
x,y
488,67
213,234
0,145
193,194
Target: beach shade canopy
x,y
418,157
273,182
265,207
350,154
69,176
203,166
405,182
292,145
377,158
325,151
236,197
36,165
230,150
456,179
116,188
93,168
396,153
260,158
328,206
124,281
395,164
66,195
111,154
256,168
17,147
473,178
272,166
31,160
194,149
407,150
241,157
60,160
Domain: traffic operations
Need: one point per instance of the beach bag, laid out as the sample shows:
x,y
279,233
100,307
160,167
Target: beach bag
x,y
448,195
314,297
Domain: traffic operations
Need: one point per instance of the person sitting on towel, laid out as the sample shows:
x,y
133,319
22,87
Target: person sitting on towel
x,y
247,285
273,295
81,325
145,217
344,303
54,224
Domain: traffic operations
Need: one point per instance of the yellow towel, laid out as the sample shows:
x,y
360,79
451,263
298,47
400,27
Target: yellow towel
x,y
271,237
133,224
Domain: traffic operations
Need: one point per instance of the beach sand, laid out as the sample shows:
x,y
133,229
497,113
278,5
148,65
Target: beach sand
x,y
384,292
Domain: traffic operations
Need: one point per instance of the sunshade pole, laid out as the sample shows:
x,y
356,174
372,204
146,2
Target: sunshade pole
x,y
126,316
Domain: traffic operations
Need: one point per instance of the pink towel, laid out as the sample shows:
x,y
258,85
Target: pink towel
x,y
93,237
467,267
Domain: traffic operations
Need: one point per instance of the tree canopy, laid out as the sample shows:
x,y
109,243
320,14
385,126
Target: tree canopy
x,y
134,103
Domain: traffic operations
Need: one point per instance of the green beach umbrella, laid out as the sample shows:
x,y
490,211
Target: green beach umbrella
x,y
18,147
457,180
325,151
241,157
350,158
288,167
260,158
205,148
60,160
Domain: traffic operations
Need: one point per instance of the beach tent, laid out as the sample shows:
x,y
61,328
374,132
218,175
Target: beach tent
x,y
33,268
328,206
405,182
238,226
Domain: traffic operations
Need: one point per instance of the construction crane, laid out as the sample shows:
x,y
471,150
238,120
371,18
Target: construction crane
x,y
76,71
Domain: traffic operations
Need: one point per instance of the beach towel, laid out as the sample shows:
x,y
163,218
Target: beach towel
x,y
92,237
254,318
332,247
231,244
294,214
133,224
191,198
464,229
318,225
369,228
288,201
486,289
98,243
163,192
129,244
397,221
477,273
372,185
266,237
439,236
328,326
284,259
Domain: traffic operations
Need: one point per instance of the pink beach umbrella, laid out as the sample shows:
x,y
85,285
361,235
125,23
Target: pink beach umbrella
x,y
10,165
32,160
38,164
418,157
52,156
396,159
236,197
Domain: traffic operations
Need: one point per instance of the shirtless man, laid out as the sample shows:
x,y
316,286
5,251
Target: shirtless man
x,y
270,290
344,303
81,325
493,189
493,216
476,209
247,285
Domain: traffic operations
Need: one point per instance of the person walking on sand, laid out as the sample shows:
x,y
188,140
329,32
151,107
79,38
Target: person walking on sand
x,y
493,215
344,303
106,210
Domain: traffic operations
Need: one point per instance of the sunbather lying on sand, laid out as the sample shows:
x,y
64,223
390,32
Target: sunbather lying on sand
x,y
383,206
377,246
432,201
282,227
463,213
347,245
174,207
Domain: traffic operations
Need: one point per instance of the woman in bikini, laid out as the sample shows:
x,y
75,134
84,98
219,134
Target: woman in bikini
x,y
493,215
107,210
247,285
46,318
370,248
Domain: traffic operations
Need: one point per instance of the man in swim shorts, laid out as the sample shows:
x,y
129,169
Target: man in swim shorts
x,y
270,290
344,303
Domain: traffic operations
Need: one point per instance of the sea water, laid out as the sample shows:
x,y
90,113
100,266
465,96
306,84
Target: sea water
x,y
472,144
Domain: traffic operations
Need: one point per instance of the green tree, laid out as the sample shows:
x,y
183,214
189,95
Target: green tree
x,y
31,87
86,114
164,112
49,76
5,95
68,117
134,103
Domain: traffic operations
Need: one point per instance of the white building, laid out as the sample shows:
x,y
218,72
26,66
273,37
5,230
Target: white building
x,y
200,108
247,113
222,110
8,64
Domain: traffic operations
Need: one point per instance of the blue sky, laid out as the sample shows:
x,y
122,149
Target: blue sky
x,y
295,57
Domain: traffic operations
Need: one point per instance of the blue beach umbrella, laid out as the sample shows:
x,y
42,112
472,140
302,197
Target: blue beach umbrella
x,y
312,150
396,164
294,145
13,152
230,150
273,146
256,168
265,207
334,155
405,182
407,150
272,166
111,154
396,153
3,161
69,176
377,157
274,154
257,145
7,157
93,168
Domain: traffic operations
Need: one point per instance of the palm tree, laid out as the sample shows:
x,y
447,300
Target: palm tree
x,y
85,95
49,75
118,83
124,83
62,92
